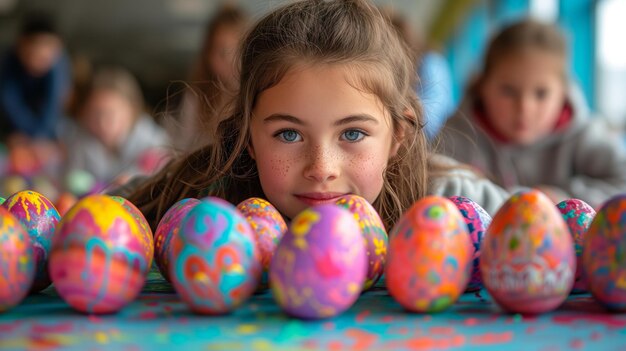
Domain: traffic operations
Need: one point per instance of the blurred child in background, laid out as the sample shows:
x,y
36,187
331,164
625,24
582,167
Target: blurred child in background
x,y
114,137
34,81
523,124
213,79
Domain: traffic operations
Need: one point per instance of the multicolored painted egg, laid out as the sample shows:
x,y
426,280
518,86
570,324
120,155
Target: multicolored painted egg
x,y
268,226
430,255
527,257
267,223
578,216
374,233
148,241
40,218
17,261
98,261
604,258
320,264
477,221
169,227
214,264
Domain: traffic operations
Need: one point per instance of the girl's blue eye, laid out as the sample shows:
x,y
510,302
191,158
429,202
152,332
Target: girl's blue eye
x,y
353,135
289,136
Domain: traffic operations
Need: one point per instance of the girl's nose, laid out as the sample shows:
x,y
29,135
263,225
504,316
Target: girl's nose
x,y
323,165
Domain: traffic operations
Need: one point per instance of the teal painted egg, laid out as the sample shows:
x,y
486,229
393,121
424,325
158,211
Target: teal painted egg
x,y
40,218
214,264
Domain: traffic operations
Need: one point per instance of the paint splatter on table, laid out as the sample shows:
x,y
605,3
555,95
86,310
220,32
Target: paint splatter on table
x,y
159,320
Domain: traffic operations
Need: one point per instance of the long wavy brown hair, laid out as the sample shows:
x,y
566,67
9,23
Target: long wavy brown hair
x,y
346,32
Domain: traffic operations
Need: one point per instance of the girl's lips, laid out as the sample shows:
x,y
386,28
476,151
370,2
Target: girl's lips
x,y
312,199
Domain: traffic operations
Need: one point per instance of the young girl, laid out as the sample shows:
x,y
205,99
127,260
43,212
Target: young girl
x,y
114,138
521,125
326,107
213,79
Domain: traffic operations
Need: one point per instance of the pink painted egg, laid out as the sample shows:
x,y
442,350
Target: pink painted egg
x,y
40,218
374,233
578,216
477,221
146,232
604,258
430,255
169,227
214,264
17,261
98,261
267,223
268,226
527,257
320,264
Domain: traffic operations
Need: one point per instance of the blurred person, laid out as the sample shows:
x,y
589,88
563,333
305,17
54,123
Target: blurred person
x,y
524,124
212,81
114,138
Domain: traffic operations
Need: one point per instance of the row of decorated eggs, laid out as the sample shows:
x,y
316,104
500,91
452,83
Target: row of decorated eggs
x,y
522,245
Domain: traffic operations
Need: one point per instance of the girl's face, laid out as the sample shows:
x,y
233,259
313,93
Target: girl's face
x,y
523,95
109,116
315,138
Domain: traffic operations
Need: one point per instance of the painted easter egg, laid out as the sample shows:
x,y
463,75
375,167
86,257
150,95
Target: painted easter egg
x,y
17,261
144,227
169,227
268,226
98,261
527,256
430,255
604,261
2,200
320,265
374,233
477,221
40,218
578,216
214,264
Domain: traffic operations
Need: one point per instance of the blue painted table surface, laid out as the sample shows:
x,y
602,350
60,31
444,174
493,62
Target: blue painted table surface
x,y
159,320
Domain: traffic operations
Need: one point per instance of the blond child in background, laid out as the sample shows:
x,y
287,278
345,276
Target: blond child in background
x,y
326,107
114,138
523,123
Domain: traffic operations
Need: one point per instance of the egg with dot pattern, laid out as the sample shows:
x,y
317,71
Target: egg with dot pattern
x,y
527,256
17,261
430,255
374,233
98,260
604,258
169,227
214,261
320,265
477,220
40,218
578,216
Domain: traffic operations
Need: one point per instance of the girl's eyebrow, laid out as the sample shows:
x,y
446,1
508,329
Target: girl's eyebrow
x,y
347,120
